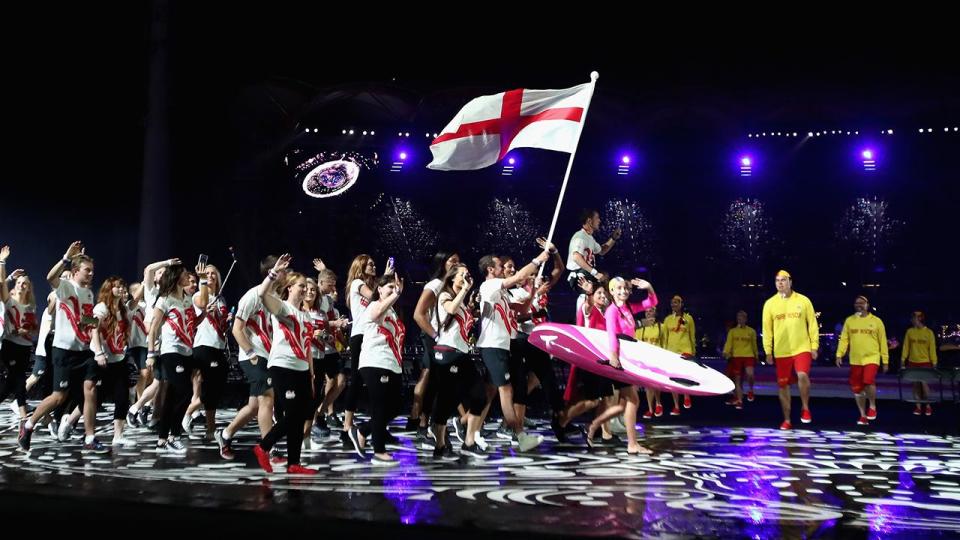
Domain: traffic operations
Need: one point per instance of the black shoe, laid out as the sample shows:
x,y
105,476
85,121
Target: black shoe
x,y
354,435
473,451
333,422
558,430
614,440
23,437
413,424
319,432
95,446
132,419
143,416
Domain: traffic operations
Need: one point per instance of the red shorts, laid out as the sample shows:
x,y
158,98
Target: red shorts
x,y
788,364
861,376
919,364
737,363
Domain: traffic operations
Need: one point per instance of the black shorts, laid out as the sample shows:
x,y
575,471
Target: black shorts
x,y
138,355
428,344
497,362
71,368
257,375
41,366
593,386
331,365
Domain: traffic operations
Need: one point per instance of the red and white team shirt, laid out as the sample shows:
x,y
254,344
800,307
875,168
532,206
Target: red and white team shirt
x,y
383,343
73,304
292,338
497,322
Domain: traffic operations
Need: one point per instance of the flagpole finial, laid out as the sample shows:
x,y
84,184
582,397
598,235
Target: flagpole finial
x,y
594,76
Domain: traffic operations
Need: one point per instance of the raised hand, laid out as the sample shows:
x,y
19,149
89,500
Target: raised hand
x,y
282,263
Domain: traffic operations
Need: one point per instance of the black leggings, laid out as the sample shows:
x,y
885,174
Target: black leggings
x,y
383,387
452,382
16,359
212,363
116,382
291,406
355,387
540,363
177,393
518,370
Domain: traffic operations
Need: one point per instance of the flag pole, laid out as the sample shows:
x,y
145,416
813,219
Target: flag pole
x,y
563,188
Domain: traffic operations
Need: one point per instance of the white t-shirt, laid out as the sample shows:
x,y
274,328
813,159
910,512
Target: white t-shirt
x,y
457,335
358,305
257,325
585,245
138,326
150,297
318,319
330,314
73,303
434,286
292,337
497,324
17,316
113,345
539,302
212,326
176,333
383,343
42,338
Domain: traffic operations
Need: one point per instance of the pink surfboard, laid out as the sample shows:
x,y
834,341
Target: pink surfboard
x,y
643,364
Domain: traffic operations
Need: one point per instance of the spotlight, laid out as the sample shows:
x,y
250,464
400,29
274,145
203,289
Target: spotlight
x,y
746,166
869,160
351,132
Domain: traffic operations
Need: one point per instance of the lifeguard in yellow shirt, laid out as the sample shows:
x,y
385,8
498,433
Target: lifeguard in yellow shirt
x,y
679,337
650,331
791,336
740,350
865,336
920,351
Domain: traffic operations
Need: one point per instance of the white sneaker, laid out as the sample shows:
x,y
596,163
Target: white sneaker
x,y
528,442
307,444
16,411
176,447
124,442
480,441
186,424
63,434
617,425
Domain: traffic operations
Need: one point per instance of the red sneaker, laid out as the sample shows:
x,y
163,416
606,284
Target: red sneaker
x,y
647,415
738,405
300,469
687,402
750,396
806,417
918,410
929,411
675,411
263,458
658,410
785,425
871,414
863,421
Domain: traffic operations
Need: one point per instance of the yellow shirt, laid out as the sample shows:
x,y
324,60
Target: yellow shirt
x,y
650,334
789,326
920,346
679,338
866,338
741,343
